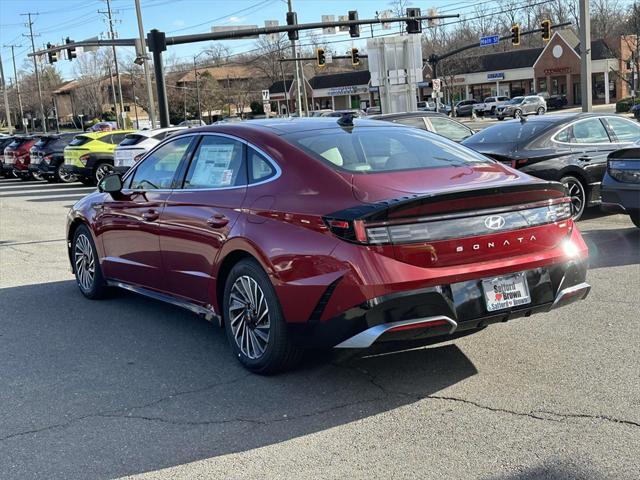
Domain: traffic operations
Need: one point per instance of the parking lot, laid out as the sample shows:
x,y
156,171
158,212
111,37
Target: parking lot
x,y
130,386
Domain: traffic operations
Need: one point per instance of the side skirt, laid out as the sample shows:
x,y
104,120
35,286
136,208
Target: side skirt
x,y
208,313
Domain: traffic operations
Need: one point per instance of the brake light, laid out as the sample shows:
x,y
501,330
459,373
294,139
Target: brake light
x,y
413,326
351,230
84,158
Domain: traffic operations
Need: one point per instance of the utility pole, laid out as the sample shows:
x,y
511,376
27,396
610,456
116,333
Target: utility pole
x,y
113,93
293,54
35,67
585,56
15,78
145,64
195,73
6,98
108,13
135,102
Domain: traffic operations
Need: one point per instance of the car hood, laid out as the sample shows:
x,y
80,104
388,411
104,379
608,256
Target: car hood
x,y
381,186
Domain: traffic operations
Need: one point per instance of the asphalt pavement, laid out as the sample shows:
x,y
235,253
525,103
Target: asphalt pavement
x,y
131,387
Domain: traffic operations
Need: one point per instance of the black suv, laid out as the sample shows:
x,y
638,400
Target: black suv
x,y
47,158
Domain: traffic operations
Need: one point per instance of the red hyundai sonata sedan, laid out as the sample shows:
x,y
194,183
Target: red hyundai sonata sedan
x,y
329,233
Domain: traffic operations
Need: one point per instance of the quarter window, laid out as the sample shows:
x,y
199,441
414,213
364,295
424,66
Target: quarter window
x,y
450,129
158,169
624,130
259,167
218,163
416,122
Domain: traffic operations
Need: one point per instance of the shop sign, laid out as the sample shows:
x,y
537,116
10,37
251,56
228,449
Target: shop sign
x,y
550,71
495,76
347,90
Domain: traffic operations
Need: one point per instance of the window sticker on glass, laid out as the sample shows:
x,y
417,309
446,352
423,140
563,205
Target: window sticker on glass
x,y
213,165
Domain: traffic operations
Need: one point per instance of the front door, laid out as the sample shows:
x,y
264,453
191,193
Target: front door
x,y
199,216
127,222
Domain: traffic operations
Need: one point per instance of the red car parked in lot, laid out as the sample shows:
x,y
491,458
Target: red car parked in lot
x,y
329,232
17,156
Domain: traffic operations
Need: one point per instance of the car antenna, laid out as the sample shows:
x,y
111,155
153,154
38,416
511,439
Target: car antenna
x,y
346,119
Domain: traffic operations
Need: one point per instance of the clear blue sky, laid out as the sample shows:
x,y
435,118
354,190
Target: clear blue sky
x,y
79,19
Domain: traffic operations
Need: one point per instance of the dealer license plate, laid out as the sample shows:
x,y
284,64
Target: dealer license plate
x,y
506,292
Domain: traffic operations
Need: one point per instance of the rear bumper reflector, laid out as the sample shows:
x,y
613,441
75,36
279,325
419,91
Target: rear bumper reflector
x,y
366,338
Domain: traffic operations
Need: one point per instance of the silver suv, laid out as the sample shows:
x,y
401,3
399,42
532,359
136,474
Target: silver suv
x,y
519,106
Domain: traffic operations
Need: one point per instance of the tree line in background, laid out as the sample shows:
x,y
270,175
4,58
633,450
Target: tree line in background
x,y
94,98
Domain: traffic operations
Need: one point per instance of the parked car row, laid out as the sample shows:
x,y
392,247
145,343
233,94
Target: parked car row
x,y
71,157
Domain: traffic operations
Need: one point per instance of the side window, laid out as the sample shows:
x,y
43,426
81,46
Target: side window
x,y
589,131
416,122
260,168
116,138
624,130
218,163
450,129
105,139
564,135
158,169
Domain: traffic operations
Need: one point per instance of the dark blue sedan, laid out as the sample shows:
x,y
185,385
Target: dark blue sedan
x,y
621,183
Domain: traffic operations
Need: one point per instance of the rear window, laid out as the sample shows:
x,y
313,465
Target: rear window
x,y
44,141
508,133
79,140
17,142
131,140
372,150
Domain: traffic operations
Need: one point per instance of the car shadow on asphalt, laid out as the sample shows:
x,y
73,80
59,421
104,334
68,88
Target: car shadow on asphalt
x,y
97,389
612,248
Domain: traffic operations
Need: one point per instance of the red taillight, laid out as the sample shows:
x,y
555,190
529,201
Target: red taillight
x,y
353,231
413,326
343,224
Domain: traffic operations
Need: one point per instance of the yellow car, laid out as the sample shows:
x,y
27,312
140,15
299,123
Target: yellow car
x,y
89,156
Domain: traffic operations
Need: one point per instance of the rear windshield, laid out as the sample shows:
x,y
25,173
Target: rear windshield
x,y
512,132
79,140
372,150
17,142
131,140
44,141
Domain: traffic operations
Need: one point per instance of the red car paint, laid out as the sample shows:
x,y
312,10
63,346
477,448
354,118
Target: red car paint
x,y
21,157
165,241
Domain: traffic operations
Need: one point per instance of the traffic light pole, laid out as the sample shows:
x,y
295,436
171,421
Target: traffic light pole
x,y
157,42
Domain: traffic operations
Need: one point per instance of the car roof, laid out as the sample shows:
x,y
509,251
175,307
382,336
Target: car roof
x,y
282,126
98,135
561,118
423,113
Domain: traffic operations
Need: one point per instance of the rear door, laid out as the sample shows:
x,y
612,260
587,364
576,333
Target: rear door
x,y
199,216
128,222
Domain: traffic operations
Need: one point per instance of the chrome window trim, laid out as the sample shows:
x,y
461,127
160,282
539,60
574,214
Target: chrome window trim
x,y
173,138
559,142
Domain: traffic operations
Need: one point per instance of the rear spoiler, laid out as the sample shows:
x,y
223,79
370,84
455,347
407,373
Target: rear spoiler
x,y
385,209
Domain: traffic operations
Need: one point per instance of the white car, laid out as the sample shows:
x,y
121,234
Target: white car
x,y
135,145
490,104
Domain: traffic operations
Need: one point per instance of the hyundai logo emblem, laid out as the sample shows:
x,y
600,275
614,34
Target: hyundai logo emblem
x,y
494,222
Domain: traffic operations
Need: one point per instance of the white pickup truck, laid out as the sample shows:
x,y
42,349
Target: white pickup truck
x,y
489,105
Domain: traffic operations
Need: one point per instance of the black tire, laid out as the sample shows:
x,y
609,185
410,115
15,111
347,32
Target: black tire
x,y
273,354
635,217
540,111
89,181
500,119
578,193
26,178
493,110
95,287
61,177
517,114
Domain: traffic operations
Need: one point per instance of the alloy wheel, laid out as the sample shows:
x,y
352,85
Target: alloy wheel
x,y
517,114
37,176
102,171
84,262
249,317
576,193
65,176
540,111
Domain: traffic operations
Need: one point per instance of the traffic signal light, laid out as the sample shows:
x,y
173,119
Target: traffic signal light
x,y
321,60
354,30
292,19
515,34
52,56
546,30
414,26
355,57
71,51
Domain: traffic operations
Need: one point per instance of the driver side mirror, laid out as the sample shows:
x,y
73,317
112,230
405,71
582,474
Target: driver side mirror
x,y
112,183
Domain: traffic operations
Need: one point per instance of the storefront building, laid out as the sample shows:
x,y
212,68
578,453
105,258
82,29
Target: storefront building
x,y
340,91
554,70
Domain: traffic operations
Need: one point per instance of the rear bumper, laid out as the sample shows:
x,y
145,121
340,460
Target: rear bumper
x,y
79,171
441,312
618,197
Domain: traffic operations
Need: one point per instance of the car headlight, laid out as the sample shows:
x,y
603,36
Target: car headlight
x,y
625,171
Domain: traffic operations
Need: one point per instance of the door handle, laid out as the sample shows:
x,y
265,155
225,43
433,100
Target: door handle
x,y
218,220
585,158
150,215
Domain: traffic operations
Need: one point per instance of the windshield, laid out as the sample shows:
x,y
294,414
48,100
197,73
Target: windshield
x,y
373,150
508,133
515,100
